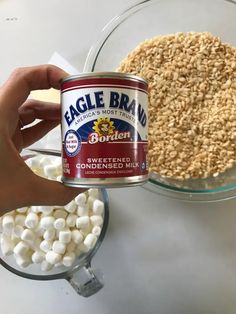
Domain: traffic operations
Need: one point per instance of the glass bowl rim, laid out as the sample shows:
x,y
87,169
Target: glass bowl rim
x,y
111,26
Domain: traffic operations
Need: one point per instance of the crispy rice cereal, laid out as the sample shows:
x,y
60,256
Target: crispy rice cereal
x,y
192,103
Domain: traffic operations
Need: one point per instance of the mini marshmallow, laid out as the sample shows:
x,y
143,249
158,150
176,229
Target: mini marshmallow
x,y
90,202
71,207
7,245
23,261
59,180
83,248
68,259
58,264
28,162
35,245
44,161
38,257
45,266
45,246
82,222
20,220
96,230
38,171
76,236
14,238
52,257
22,210
31,220
59,223
98,207
39,230
58,172
28,211
84,232
47,222
59,247
49,234
60,213
21,249
81,199
71,220
96,220
90,240
50,171
83,210
8,224
65,236
57,233
34,163
35,209
28,235
71,247
59,207
93,192
57,164
46,210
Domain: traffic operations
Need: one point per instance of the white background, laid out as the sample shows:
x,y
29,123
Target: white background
x,y
159,255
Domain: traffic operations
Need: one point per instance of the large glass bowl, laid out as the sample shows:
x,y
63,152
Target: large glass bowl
x,y
150,18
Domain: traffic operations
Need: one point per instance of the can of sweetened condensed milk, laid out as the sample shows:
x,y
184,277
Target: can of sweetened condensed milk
x,y
104,130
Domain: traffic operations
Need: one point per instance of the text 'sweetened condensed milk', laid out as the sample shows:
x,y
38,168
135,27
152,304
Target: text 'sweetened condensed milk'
x,y
104,130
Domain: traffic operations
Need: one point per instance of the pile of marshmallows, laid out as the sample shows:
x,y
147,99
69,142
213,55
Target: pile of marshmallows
x,y
52,236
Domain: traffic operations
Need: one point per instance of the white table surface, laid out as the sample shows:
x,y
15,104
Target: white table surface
x,y
159,255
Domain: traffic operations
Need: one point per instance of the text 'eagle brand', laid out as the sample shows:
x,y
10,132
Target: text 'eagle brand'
x,y
95,101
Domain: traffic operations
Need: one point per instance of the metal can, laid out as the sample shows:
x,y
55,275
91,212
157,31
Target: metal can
x,y
104,130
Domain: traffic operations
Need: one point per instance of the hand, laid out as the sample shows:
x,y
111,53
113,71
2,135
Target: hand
x,y
19,186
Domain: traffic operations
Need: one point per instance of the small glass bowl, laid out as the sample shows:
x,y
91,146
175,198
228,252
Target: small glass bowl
x,y
80,275
150,18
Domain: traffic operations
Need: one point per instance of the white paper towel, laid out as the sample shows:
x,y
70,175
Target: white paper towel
x,y
53,139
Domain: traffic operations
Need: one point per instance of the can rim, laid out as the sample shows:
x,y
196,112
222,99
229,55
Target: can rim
x,y
122,75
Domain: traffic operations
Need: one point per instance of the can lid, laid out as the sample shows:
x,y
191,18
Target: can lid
x,y
125,76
